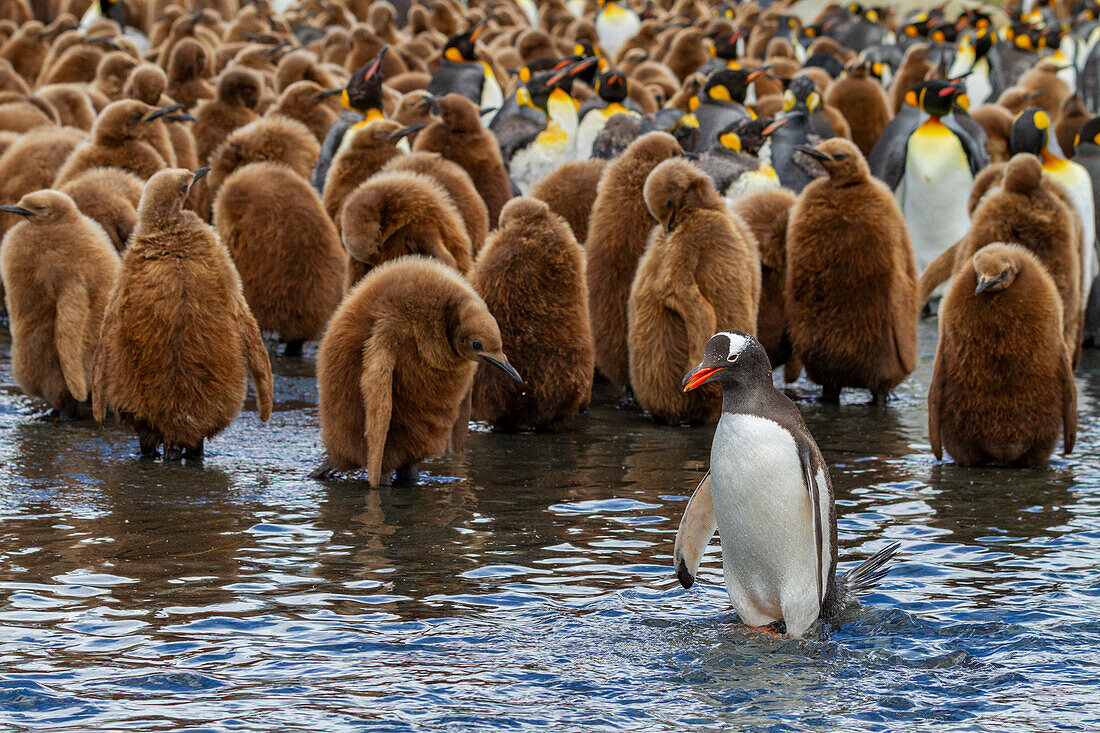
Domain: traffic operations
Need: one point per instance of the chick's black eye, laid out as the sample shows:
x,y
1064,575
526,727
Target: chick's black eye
x,y
475,345
840,156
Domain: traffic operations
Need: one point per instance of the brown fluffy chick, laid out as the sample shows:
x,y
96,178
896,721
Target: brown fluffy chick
x,y
110,196
305,101
458,135
26,50
395,367
190,67
234,106
398,214
700,274
302,66
531,276
366,147
1043,77
997,123
863,102
1022,210
1002,385
914,69
71,102
276,139
119,140
284,247
177,279
111,74
58,267
851,279
457,183
1074,116
617,234
23,114
766,213
571,191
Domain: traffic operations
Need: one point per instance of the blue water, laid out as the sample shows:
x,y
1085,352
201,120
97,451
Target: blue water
x,y
527,584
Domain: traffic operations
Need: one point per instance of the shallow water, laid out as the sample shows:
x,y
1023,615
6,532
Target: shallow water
x,y
528,584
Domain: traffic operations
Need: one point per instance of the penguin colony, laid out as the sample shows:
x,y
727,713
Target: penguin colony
x,y
716,189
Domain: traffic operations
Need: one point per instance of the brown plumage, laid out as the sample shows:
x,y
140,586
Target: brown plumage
x,y
1074,116
26,50
120,139
110,196
766,213
111,74
1023,210
458,185
1017,98
1002,386
851,279
190,67
365,148
571,192
458,135
617,234
687,53
302,101
76,64
73,105
276,139
914,68
863,102
234,106
997,123
146,82
284,247
1043,77
32,163
395,366
177,333
58,266
700,273
22,114
302,66
531,276
398,214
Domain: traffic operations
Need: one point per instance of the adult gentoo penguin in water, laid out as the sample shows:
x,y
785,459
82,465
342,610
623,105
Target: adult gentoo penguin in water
x,y
362,100
463,72
769,496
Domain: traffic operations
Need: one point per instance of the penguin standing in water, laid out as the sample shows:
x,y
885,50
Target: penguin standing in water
x,y
931,170
769,495
362,98
1031,134
616,23
463,72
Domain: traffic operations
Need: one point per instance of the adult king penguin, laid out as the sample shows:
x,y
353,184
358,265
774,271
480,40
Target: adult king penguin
x,y
931,170
616,23
463,72
362,98
769,495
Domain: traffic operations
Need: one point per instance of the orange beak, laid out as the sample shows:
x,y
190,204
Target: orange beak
x,y
699,377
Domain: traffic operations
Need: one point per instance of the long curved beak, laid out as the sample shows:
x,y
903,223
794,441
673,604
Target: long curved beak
x,y
697,376
406,131
181,118
329,93
813,152
198,175
986,283
12,209
501,363
161,111
377,63
774,126
429,101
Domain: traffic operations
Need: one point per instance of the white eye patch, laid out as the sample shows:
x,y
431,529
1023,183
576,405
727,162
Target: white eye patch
x,y
737,345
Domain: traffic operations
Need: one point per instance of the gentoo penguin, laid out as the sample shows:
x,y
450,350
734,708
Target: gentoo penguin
x,y
851,281
463,72
932,170
616,23
1002,384
362,100
769,495
1031,134
1087,155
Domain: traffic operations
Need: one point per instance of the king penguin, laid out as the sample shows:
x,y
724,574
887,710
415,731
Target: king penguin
x,y
769,495
616,23
362,100
1031,134
612,96
463,72
1087,154
982,69
721,103
932,169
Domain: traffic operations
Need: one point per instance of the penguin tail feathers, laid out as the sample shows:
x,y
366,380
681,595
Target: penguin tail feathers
x,y
864,577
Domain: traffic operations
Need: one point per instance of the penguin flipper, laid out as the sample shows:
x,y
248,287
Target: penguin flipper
x,y
937,273
809,477
252,343
462,422
696,528
1069,406
976,151
376,388
516,133
107,330
70,323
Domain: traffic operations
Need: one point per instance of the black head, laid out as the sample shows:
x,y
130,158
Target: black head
x,y
114,10
611,86
1031,132
801,95
725,46
364,89
732,359
937,96
1089,133
730,85
461,47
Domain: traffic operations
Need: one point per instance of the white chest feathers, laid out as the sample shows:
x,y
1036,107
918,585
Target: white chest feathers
x,y
764,512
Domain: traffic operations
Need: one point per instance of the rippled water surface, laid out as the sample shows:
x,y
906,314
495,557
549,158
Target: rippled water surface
x,y
528,584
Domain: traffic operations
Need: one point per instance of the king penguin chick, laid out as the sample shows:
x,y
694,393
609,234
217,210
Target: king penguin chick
x,y
851,279
1002,385
458,135
285,248
860,98
531,276
118,141
366,148
275,139
700,272
397,214
177,333
570,191
57,266
769,495
110,196
238,93
617,236
395,367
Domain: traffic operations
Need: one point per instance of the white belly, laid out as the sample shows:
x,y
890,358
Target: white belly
x,y
615,27
1075,179
764,515
934,193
